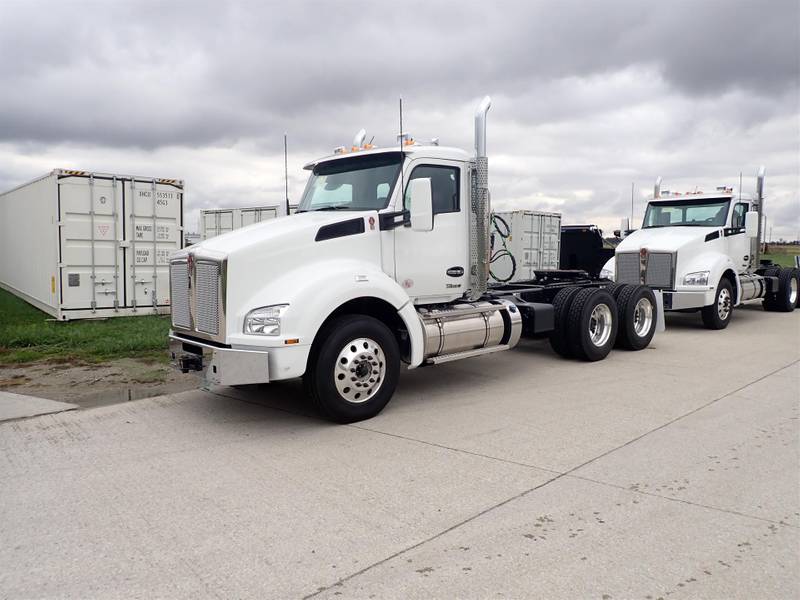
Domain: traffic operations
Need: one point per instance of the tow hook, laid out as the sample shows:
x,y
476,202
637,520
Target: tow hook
x,y
188,362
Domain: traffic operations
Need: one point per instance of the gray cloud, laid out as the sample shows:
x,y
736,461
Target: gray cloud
x,y
589,96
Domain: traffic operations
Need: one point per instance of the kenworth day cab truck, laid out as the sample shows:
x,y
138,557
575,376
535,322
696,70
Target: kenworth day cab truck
x,y
703,252
386,260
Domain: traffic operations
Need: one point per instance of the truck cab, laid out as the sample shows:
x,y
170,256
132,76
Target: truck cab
x,y
702,251
386,259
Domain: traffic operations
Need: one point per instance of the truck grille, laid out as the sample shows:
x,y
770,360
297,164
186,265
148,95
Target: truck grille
x,y
179,284
197,297
658,270
628,268
206,297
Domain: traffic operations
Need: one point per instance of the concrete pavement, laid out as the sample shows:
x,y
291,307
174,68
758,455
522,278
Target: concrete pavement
x,y
19,406
672,472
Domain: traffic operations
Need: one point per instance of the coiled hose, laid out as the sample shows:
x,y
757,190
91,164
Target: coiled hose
x,y
502,230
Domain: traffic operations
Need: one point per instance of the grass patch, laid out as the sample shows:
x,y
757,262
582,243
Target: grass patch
x,y
26,335
784,260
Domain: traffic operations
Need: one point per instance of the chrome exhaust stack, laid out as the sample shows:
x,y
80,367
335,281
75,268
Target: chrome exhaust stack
x,y
481,208
762,171
657,188
358,139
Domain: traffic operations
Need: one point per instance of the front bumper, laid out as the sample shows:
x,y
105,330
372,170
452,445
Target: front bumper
x,y
219,365
682,299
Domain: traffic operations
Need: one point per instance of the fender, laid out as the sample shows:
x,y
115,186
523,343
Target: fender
x,y
716,263
342,280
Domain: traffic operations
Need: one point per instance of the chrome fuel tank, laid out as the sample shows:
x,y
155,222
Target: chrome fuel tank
x,y
469,326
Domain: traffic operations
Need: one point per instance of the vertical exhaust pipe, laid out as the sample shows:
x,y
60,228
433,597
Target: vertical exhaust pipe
x,y
481,208
762,171
657,188
358,139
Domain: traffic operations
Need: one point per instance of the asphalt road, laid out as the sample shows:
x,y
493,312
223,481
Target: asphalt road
x,y
669,473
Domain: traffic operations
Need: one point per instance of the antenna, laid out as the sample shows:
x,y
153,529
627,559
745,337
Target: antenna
x,y
632,186
286,170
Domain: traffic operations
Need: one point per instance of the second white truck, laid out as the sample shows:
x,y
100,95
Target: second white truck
x,y
702,250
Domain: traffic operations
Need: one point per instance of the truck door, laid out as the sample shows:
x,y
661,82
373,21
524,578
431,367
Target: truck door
x,y
736,240
433,265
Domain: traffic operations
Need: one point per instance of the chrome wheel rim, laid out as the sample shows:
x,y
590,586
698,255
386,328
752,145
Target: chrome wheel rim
x,y
360,370
724,304
793,290
643,317
600,323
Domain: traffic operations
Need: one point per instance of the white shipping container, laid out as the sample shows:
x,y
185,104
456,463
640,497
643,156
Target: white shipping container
x,y
534,240
83,245
215,221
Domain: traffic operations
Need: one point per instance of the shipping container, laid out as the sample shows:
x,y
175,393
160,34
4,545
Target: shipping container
x,y
215,221
532,238
83,245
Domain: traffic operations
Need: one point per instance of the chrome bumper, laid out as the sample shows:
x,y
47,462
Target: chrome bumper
x,y
220,366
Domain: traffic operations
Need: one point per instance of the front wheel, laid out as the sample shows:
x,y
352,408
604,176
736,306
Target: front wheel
x,y
353,368
718,315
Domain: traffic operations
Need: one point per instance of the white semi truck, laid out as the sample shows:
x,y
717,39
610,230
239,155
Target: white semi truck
x,y
385,261
702,250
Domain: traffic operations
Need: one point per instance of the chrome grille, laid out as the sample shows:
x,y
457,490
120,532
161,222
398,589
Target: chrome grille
x,y
179,284
659,270
206,290
627,268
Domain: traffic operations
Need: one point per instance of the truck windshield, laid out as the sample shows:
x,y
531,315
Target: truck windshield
x,y
711,212
354,183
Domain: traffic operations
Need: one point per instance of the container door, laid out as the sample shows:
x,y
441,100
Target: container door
x,y
90,231
209,226
250,216
224,221
153,226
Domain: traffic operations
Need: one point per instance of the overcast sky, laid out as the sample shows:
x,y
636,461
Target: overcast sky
x,y
588,96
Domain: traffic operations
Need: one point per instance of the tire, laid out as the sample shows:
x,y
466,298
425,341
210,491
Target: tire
x,y
614,289
561,304
592,324
351,347
637,316
718,315
786,299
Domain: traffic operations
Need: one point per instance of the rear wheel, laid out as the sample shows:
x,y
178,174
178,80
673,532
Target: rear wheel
x,y
718,315
353,368
592,324
786,298
561,304
637,317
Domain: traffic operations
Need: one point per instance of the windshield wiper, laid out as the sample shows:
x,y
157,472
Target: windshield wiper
x,y
331,207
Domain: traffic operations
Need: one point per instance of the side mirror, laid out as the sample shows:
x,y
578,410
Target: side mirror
x,y
421,204
751,223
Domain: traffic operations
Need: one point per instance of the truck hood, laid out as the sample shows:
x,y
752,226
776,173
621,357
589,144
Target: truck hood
x,y
298,229
266,263
664,239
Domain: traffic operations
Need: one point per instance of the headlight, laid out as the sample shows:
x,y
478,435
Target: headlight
x,y
265,320
698,278
606,274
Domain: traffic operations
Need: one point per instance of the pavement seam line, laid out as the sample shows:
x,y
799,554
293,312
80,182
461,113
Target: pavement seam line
x,y
681,500
524,493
